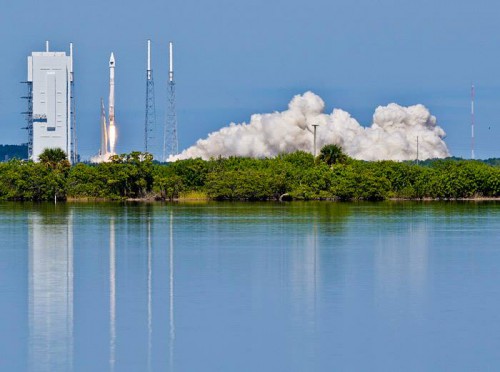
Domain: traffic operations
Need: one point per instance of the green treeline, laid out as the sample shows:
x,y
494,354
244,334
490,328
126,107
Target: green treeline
x,y
331,176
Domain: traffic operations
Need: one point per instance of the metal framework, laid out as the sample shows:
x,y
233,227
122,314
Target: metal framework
x,y
170,143
472,120
150,119
29,116
74,143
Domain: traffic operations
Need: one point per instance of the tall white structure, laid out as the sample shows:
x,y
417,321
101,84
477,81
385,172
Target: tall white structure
x,y
50,75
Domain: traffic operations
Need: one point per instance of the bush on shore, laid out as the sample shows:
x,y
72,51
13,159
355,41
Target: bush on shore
x,y
298,175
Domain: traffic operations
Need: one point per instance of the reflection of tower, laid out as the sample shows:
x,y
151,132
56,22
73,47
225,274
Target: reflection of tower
x,y
51,293
306,282
112,295
170,144
150,297
171,261
401,264
150,121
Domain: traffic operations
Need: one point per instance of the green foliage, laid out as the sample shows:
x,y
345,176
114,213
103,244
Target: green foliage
x,y
332,154
193,172
295,175
167,184
299,159
29,181
54,158
240,185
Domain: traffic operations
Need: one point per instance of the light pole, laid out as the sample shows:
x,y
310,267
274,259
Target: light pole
x,y
314,147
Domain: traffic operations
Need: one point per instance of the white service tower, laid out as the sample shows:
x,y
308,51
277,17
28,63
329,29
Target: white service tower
x,y
51,75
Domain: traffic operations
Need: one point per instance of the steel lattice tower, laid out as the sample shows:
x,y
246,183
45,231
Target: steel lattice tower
x,y
150,120
472,120
29,117
170,143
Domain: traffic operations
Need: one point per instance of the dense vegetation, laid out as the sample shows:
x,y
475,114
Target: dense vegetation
x,y
332,175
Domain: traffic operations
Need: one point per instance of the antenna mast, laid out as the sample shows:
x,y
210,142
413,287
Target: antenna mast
x,y
170,143
150,120
472,96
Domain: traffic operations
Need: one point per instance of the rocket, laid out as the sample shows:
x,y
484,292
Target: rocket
x,y
111,113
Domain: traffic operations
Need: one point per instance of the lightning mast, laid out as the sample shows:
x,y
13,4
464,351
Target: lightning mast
x,y
170,144
150,120
472,120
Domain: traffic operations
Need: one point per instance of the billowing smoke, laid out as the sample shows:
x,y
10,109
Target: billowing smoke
x,y
392,136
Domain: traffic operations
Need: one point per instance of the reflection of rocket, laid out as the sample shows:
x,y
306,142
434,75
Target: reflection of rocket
x,y
112,128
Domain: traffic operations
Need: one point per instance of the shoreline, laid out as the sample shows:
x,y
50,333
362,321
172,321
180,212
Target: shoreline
x,y
206,200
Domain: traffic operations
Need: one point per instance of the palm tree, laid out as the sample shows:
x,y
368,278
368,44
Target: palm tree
x,y
332,154
57,161
53,158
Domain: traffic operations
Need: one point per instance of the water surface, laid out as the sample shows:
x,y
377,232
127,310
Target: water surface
x,y
250,287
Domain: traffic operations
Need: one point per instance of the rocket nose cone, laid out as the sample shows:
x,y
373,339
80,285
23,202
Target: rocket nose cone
x,y
112,60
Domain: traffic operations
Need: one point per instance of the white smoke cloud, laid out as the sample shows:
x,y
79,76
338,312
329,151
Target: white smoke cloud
x,y
104,158
392,136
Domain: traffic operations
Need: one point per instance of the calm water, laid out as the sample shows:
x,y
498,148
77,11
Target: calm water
x,y
250,287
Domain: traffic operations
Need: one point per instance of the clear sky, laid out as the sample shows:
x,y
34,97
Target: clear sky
x,y
236,58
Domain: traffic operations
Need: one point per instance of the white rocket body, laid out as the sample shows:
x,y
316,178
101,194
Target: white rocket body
x,y
111,114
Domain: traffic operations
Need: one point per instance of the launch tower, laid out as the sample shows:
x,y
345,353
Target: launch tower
x,y
150,120
472,120
50,109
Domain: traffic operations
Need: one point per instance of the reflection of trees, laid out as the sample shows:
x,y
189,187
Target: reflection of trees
x,y
331,217
50,230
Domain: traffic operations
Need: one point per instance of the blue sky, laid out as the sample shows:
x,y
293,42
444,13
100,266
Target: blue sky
x,y
236,58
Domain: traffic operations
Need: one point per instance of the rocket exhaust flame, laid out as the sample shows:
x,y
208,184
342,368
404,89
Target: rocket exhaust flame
x,y
392,136
112,137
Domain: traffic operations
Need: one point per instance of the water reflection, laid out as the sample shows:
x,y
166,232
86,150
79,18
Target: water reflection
x,y
229,287
150,300
141,278
171,294
112,295
306,271
401,263
50,290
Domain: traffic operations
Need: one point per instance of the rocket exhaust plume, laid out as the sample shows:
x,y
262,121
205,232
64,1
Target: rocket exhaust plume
x,y
112,127
392,136
104,131
108,132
